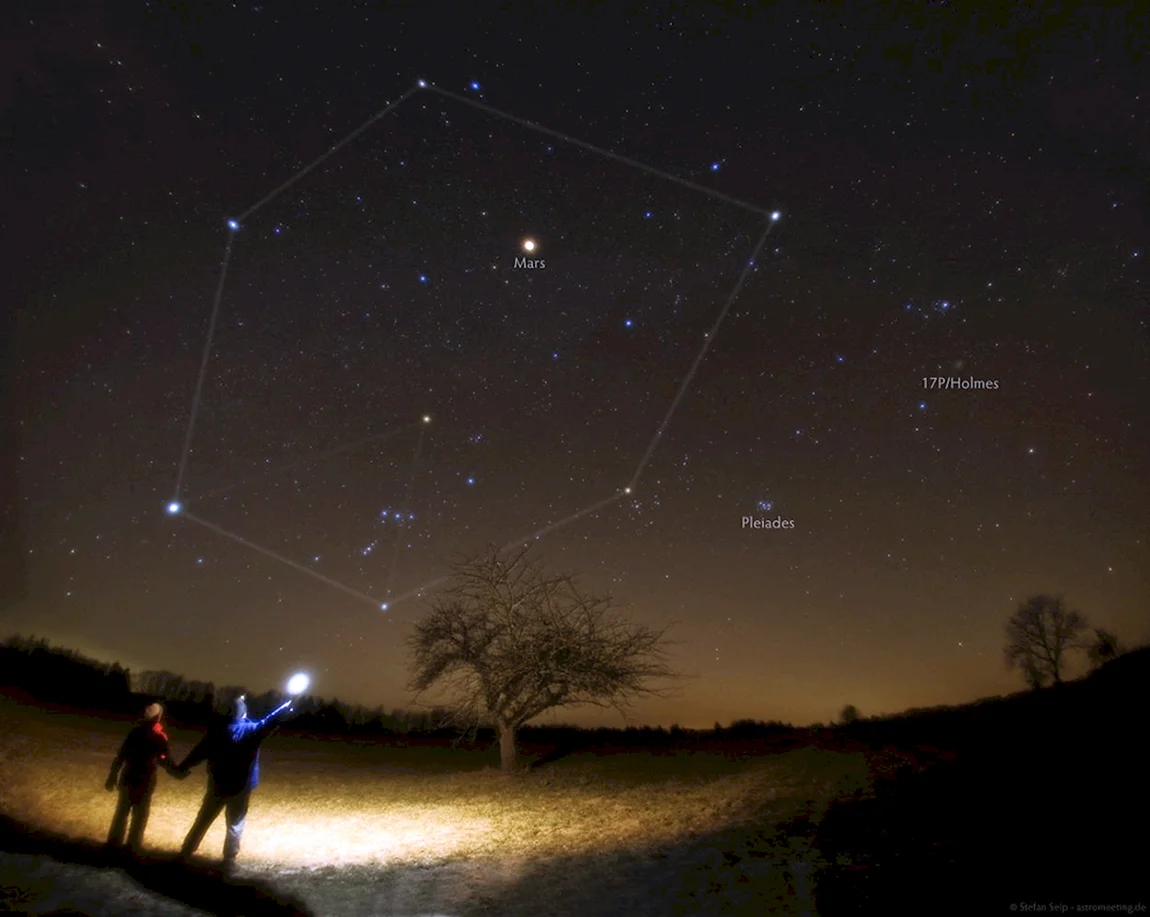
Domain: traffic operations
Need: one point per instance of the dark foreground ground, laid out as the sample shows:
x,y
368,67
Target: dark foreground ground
x,y
1032,801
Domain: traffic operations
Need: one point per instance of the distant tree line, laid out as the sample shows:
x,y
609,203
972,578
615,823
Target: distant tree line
x,y
312,714
61,676
65,677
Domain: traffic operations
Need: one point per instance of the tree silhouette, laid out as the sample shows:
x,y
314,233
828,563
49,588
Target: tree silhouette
x,y
1102,648
1035,677
850,714
1038,635
509,641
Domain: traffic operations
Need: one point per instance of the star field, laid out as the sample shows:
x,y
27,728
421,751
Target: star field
x,y
984,220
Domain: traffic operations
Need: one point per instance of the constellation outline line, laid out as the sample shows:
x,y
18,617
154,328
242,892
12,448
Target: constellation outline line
x,y
176,508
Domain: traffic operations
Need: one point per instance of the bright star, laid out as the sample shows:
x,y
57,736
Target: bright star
x,y
427,418
775,215
529,245
173,508
383,607
628,323
233,225
714,167
470,481
423,278
475,85
422,84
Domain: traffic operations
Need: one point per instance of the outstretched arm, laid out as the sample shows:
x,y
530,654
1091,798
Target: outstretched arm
x,y
273,720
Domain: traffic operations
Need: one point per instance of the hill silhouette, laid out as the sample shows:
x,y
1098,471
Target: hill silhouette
x,y
1040,799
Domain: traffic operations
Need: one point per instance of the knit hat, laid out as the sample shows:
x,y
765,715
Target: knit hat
x,y
153,712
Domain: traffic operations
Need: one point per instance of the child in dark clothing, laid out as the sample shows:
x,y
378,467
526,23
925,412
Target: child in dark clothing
x,y
145,749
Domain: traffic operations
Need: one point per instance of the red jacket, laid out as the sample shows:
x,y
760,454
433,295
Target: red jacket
x,y
143,751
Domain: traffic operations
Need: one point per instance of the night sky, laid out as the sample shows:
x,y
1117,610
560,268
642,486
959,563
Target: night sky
x,y
957,197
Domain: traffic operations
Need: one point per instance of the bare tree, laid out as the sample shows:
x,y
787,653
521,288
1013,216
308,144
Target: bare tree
x,y
1035,677
1038,636
1102,648
509,641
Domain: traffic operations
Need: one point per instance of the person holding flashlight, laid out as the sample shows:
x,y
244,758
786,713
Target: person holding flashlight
x,y
232,752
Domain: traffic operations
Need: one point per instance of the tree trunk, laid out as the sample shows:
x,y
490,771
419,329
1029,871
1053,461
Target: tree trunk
x,y
508,758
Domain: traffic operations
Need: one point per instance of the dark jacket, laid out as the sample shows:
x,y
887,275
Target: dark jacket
x,y
144,750
233,753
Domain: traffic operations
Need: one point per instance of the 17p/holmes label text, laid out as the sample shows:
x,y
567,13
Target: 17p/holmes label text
x,y
954,383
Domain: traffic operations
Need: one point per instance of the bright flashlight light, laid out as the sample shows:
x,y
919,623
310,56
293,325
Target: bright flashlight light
x,y
297,684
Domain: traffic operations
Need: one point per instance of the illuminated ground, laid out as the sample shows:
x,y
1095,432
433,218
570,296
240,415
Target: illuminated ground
x,y
423,831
